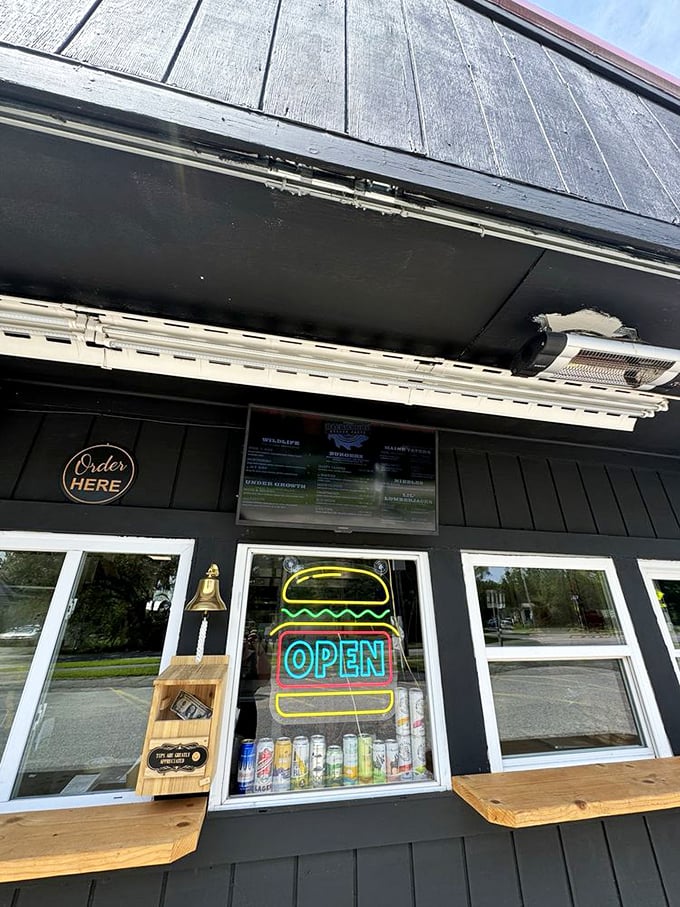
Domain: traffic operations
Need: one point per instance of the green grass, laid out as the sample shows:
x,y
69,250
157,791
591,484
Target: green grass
x,y
89,674
106,662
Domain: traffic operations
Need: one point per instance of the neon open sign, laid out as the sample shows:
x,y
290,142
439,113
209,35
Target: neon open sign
x,y
318,659
338,667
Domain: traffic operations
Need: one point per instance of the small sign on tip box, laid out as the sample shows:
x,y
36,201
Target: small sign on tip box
x,y
99,474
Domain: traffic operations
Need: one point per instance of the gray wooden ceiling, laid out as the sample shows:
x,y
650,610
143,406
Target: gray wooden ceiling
x,y
431,77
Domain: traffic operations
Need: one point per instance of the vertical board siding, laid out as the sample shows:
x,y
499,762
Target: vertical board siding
x,y
455,127
21,430
132,37
508,483
381,96
591,876
577,154
41,24
67,890
661,154
664,834
59,437
157,453
603,503
520,144
112,430
541,495
572,496
439,874
657,504
226,51
541,867
450,501
670,482
131,888
637,183
326,880
199,470
384,876
309,47
479,501
209,887
266,883
634,864
633,509
668,120
231,475
492,871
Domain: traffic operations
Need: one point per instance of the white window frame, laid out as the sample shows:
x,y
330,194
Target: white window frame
x,y
627,653
652,570
76,547
219,794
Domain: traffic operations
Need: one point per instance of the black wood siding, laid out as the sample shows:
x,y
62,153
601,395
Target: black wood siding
x,y
496,493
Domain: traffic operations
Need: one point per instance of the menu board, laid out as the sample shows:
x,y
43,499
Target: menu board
x,y
302,469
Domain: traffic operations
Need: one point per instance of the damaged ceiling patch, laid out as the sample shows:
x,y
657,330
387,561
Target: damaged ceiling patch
x,y
587,321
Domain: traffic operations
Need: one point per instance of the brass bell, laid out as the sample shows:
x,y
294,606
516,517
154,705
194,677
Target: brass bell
x,y
208,596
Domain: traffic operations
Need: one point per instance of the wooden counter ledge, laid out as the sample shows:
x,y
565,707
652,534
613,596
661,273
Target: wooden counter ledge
x,y
548,795
35,845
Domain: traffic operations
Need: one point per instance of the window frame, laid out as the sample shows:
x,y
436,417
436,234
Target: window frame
x,y
639,688
75,548
219,798
651,570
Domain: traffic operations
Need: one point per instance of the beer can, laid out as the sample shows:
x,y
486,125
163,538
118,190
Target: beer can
x,y
365,758
405,759
416,703
349,759
334,766
392,760
418,745
317,760
264,765
283,752
379,772
299,775
403,717
245,775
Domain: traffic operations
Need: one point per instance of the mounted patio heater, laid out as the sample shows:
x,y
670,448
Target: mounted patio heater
x,y
569,356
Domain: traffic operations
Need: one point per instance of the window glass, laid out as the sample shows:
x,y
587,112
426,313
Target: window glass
x,y
549,706
90,723
333,688
564,681
668,598
530,606
27,581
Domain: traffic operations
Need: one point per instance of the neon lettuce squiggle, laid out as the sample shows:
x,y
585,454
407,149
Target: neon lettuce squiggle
x,y
337,614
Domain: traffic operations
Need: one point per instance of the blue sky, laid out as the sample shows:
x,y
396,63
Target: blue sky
x,y
649,29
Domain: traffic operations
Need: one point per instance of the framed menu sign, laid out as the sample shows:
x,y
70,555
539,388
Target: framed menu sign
x,y
307,470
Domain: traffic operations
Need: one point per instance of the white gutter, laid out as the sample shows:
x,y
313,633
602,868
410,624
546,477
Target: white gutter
x,y
73,334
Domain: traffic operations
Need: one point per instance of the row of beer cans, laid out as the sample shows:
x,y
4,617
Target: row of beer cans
x,y
269,766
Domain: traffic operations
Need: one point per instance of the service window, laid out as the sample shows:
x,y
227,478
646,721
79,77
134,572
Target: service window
x,y
338,690
86,623
561,676
662,579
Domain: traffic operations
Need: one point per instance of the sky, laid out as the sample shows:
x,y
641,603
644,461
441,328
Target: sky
x,y
648,29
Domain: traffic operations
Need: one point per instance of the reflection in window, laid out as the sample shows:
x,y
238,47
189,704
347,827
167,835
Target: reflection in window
x,y
27,581
529,606
333,686
565,682
668,597
544,707
93,711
